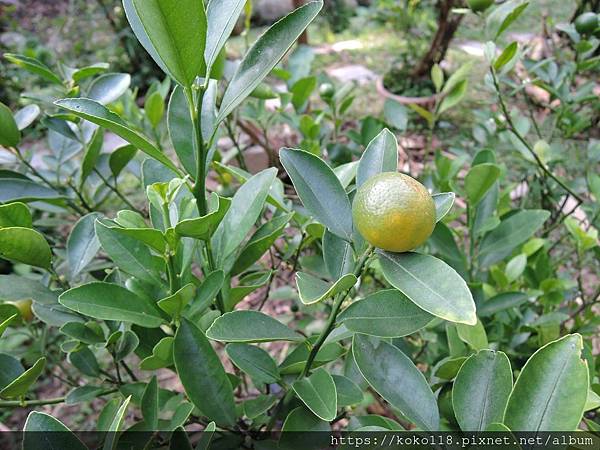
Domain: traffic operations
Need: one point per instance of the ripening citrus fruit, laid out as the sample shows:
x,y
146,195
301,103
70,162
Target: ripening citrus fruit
x,y
586,23
24,307
394,212
479,5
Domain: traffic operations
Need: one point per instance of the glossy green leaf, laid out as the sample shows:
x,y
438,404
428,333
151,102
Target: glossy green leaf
x,y
12,189
20,385
120,157
154,107
453,97
443,204
42,432
174,304
346,173
501,17
314,290
254,361
206,293
111,440
250,326
97,113
246,285
551,390
10,135
431,284
338,255
4,323
176,30
84,393
34,66
246,207
320,190
181,128
479,180
502,302
221,17
318,392
254,407
265,54
91,154
295,361
162,355
386,313
204,227
512,232
348,392
126,345
108,301
149,405
481,390
82,332
448,368
26,246
394,376
152,237
82,244
109,87
507,54
15,215
27,115
473,335
85,361
10,369
381,155
202,374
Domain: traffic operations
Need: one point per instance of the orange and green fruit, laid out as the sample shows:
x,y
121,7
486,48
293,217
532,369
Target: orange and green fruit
x,y
479,5
394,212
24,307
586,23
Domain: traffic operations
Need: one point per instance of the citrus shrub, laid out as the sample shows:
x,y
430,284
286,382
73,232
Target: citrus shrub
x,y
390,307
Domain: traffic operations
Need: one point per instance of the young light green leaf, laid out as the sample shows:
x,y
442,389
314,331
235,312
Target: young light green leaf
x,y
154,107
431,284
318,392
314,290
26,246
107,301
265,54
254,361
97,113
120,157
503,16
320,190
443,204
202,374
474,335
82,244
507,54
381,155
174,304
204,227
479,180
481,390
162,355
394,376
34,66
15,215
387,313
176,32
20,385
250,326
551,390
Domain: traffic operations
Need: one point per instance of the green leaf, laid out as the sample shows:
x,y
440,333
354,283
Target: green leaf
x,y
507,54
250,326
174,304
162,355
84,393
254,407
202,374
88,71
176,31
453,97
181,128
348,392
12,189
149,405
10,369
206,293
20,385
254,361
26,115
246,207
318,392
443,204
265,54
387,313
82,244
295,361
221,17
34,66
512,232
338,255
503,16
154,107
437,76
91,155
515,267
97,113
551,390
126,345
479,180
152,237
120,157
320,190
474,335
42,432
85,361
314,290
301,419
4,323
129,254
394,376
381,155
107,301
501,302
301,91
82,332
431,284
481,390
10,136
204,227
448,368
15,215
109,87
112,437
26,246
396,114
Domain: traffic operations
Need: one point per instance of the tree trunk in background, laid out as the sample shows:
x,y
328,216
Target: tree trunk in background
x,y
447,25
303,39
